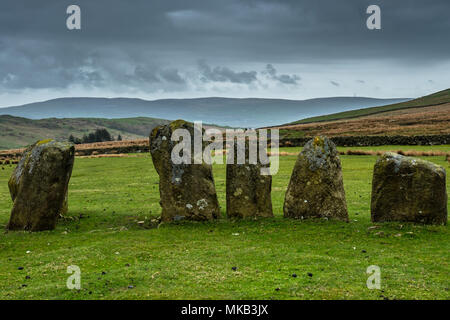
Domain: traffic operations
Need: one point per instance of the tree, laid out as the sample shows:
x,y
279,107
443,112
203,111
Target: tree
x,y
99,135
85,139
119,138
74,140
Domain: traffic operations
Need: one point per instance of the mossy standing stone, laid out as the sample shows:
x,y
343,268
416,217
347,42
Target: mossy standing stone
x,y
187,191
248,191
316,188
408,189
39,185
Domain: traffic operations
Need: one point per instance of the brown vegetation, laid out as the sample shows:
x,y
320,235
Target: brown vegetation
x,y
413,121
97,148
112,144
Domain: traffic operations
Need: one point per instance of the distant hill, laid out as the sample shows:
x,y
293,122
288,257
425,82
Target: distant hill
x,y
428,115
18,132
434,99
232,112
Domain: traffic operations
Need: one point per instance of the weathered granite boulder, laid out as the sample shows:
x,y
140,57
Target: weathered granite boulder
x,y
316,188
408,189
186,190
248,191
39,185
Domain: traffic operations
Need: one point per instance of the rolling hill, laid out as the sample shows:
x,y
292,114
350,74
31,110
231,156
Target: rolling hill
x,y
232,112
16,132
428,115
434,99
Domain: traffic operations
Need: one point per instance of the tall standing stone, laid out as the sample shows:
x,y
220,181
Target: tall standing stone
x,y
248,191
316,188
39,185
408,189
186,190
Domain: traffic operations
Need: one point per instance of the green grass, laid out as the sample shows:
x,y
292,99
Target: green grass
x,y
194,260
429,100
394,148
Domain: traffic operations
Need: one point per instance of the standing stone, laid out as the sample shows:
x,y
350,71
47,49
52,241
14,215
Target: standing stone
x,y
65,207
186,190
316,188
408,189
39,185
248,191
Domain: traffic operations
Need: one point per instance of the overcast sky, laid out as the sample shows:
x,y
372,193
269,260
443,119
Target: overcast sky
x,y
155,49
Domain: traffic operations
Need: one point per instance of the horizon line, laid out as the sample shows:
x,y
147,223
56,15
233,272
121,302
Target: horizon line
x,y
199,98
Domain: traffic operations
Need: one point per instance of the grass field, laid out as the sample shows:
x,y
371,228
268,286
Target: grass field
x,y
122,259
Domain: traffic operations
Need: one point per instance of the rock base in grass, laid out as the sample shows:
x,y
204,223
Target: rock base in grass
x,y
408,189
316,188
39,185
187,190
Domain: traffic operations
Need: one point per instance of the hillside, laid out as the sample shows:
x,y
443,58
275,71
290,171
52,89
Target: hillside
x,y
232,112
427,120
18,132
434,99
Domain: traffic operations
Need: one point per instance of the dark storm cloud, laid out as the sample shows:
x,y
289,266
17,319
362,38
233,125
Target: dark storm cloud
x,y
149,43
224,74
172,75
154,74
33,64
272,73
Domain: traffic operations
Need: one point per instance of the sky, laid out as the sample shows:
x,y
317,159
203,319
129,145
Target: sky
x,y
294,49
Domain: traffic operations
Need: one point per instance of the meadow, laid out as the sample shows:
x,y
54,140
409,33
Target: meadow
x,y
109,234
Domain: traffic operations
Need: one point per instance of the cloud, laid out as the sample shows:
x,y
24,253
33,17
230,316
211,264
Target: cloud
x,y
28,64
272,73
155,46
263,30
153,74
224,74
334,83
172,75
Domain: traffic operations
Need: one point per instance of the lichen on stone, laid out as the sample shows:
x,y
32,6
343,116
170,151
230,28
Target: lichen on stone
x,y
202,204
318,151
43,141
